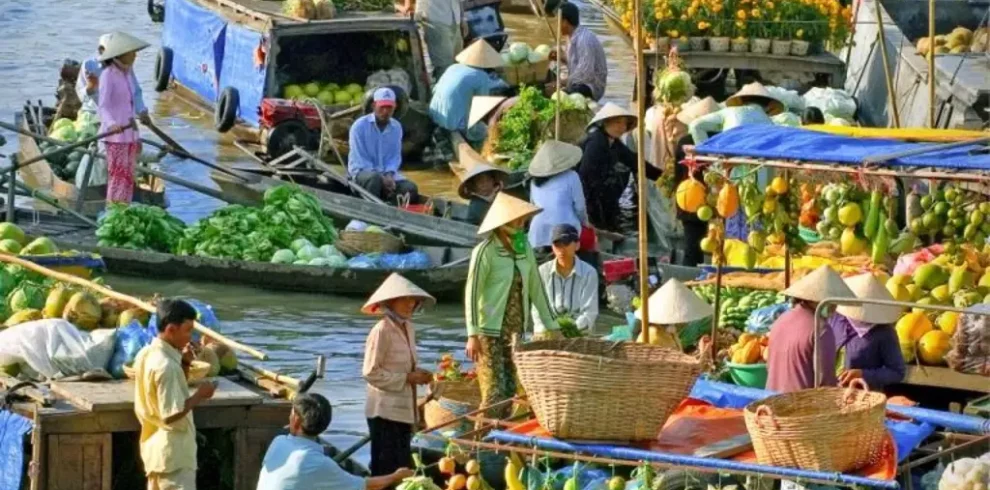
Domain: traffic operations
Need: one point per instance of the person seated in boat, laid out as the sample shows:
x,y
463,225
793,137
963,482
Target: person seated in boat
x,y
673,307
587,68
556,188
571,284
473,75
376,151
865,338
791,365
88,84
752,104
297,461
482,182
607,165
391,371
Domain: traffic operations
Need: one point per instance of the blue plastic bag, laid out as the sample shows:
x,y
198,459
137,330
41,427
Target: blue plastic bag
x,y
364,262
417,259
130,339
204,315
760,321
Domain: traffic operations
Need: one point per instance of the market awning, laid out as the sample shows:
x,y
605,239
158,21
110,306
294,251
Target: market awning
x,y
785,143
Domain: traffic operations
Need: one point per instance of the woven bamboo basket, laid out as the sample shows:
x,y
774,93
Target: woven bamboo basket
x,y
353,243
452,400
824,429
594,390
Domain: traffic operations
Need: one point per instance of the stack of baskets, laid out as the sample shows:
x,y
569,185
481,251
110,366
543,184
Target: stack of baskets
x,y
825,429
452,400
595,390
354,243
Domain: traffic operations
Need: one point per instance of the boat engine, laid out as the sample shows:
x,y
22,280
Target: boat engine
x,y
286,124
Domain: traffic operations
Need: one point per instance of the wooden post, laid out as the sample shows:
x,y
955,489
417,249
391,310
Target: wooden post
x,y
556,111
787,248
931,63
644,269
11,186
891,94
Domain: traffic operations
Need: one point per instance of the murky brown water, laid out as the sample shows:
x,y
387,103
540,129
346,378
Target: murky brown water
x,y
38,34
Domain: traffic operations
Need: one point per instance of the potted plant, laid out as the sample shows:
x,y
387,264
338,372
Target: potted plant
x,y
805,24
781,44
759,41
657,24
697,29
718,40
740,41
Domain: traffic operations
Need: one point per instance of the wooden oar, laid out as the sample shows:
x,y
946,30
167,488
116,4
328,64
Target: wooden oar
x,y
181,150
281,378
233,344
186,155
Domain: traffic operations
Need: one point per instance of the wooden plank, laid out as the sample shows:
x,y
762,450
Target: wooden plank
x,y
80,461
119,395
66,419
942,377
250,445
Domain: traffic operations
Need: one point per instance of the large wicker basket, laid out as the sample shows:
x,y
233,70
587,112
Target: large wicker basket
x,y
824,429
452,400
594,390
353,243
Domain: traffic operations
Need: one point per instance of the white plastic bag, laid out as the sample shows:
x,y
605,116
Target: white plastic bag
x,y
835,103
55,348
965,474
98,176
790,98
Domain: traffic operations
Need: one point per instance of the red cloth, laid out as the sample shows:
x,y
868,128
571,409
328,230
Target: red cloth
x,y
588,240
121,159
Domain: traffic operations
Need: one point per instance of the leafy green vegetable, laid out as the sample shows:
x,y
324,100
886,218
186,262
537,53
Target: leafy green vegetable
x,y
568,327
139,227
523,127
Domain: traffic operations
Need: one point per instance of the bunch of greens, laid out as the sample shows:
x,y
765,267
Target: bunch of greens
x,y
139,227
253,233
519,129
568,327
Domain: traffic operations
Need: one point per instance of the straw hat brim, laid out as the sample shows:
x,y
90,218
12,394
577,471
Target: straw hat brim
x,y
504,210
866,286
554,157
700,108
476,170
675,304
394,287
482,106
614,111
756,91
480,54
121,43
820,284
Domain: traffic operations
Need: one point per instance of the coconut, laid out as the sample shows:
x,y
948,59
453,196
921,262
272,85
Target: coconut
x,y
109,316
57,299
11,231
23,316
132,314
83,311
210,356
228,360
302,9
40,246
10,246
26,297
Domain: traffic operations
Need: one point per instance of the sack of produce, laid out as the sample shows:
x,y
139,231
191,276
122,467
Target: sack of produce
x,y
966,474
55,348
131,338
970,351
835,103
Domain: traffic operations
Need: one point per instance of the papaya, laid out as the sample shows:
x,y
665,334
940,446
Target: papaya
x,y
960,278
55,304
728,201
933,346
880,246
947,322
930,276
690,195
912,326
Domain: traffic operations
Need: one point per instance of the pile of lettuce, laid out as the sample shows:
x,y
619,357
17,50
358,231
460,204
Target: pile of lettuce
x,y
139,227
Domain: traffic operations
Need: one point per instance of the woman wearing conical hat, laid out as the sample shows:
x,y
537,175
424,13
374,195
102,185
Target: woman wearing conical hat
x,y
473,75
791,366
752,104
866,335
672,306
391,371
503,284
116,110
607,165
556,189
479,185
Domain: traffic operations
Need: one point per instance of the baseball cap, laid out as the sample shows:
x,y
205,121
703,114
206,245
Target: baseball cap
x,y
384,97
565,234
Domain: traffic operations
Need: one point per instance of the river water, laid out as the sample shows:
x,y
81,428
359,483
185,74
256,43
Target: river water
x,y
291,328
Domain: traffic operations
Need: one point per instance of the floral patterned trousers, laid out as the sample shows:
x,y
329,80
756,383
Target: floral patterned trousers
x,y
496,371
121,159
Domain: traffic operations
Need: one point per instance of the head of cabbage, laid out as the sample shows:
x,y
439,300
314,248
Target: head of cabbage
x,y
320,262
284,256
518,52
299,243
307,253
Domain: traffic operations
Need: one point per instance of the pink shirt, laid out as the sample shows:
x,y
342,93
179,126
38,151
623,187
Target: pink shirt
x,y
389,355
791,364
116,106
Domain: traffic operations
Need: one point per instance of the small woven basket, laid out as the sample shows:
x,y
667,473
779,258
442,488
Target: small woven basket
x,y
354,243
824,429
452,400
594,390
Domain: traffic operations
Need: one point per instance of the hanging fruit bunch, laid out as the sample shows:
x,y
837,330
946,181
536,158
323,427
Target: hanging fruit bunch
x,y
778,214
672,87
810,205
953,214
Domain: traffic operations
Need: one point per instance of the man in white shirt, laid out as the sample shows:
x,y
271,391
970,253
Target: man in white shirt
x,y
442,22
571,284
297,461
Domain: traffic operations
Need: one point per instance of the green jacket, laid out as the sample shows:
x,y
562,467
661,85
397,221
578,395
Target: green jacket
x,y
488,283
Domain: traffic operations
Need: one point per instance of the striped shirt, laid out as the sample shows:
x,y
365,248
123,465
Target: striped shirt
x,y
586,62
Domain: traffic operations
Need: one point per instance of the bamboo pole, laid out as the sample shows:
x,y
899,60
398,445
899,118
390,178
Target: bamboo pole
x,y
891,94
281,378
644,270
556,110
233,344
931,63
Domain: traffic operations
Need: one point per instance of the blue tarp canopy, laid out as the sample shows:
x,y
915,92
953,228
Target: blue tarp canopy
x,y
784,143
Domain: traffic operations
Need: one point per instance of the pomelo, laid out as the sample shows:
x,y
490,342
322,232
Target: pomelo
x,y
312,89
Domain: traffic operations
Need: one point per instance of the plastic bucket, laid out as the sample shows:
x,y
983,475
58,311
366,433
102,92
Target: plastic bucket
x,y
748,375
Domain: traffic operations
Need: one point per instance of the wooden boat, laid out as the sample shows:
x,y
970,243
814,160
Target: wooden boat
x,y
446,280
40,176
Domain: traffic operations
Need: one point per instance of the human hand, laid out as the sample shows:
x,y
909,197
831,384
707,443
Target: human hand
x,y
473,349
402,474
849,375
553,55
144,117
205,391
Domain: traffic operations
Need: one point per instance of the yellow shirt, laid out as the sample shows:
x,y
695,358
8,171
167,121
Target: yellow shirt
x,y
161,391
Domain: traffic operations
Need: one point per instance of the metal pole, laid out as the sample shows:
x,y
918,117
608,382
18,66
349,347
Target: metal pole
x,y
644,269
931,63
891,94
924,149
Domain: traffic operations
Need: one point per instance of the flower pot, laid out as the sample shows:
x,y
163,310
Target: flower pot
x,y
759,46
780,47
697,43
681,44
719,44
800,48
740,45
661,45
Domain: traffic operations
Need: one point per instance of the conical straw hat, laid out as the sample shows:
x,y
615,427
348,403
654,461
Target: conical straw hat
x,y
866,286
395,287
481,106
674,304
700,108
554,157
480,54
611,111
118,43
475,167
822,283
506,209
758,91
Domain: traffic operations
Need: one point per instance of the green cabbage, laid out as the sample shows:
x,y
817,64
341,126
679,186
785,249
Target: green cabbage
x,y
299,243
320,261
308,253
284,256
337,261
518,52
300,262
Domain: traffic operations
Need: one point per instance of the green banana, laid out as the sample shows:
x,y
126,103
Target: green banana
x,y
904,243
873,215
881,243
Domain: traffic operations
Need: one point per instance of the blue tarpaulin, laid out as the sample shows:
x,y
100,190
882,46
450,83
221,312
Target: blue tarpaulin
x,y
241,72
195,64
13,428
784,143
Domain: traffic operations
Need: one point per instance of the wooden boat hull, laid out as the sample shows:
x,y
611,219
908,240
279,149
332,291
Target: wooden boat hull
x,y
443,282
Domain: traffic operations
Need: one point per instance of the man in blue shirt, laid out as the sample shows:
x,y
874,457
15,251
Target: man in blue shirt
x,y
376,151
472,75
297,461
88,85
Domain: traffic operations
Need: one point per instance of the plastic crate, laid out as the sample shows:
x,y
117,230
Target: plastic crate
x,y
618,269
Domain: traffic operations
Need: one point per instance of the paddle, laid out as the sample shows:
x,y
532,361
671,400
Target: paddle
x,y
167,139
179,152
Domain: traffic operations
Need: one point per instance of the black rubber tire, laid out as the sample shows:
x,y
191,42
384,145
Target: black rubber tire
x,y
163,69
287,134
225,114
